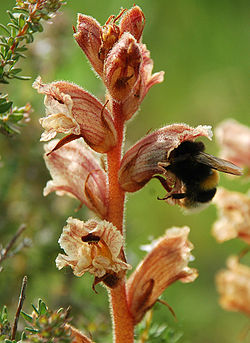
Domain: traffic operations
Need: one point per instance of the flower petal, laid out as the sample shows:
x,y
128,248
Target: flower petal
x,y
133,21
234,216
75,170
234,139
233,285
141,162
166,263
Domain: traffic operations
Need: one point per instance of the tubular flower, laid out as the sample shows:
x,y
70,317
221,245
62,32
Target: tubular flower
x,y
233,284
234,216
75,170
234,139
72,110
92,247
166,262
143,160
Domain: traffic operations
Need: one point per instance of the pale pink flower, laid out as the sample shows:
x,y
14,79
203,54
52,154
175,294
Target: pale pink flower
x,y
234,139
92,247
143,160
233,284
166,263
72,110
76,171
234,216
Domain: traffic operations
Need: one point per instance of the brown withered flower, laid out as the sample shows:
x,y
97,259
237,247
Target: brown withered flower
x,y
234,216
76,171
166,262
143,160
233,285
234,140
92,247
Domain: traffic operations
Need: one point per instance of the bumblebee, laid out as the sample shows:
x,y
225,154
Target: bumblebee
x,y
198,173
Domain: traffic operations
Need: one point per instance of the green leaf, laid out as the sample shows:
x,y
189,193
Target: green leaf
x,y
42,308
22,77
16,70
27,317
5,29
5,106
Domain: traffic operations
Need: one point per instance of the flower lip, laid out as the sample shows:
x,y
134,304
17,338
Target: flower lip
x,y
91,246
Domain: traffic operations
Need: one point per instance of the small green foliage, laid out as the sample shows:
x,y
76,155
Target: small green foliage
x,y
24,21
12,117
46,326
5,328
147,331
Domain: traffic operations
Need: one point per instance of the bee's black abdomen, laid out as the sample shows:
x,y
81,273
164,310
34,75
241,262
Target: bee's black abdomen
x,y
202,196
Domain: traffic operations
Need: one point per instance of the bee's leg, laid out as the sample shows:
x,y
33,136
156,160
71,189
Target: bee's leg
x,y
178,195
163,182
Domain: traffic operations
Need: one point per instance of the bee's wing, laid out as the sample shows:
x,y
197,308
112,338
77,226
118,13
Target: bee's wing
x,y
218,163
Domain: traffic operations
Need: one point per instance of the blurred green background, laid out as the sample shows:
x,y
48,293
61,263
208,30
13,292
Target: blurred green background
x,y
202,46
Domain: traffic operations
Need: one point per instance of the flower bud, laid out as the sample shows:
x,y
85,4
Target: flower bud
x,y
234,216
166,262
121,67
233,284
141,162
88,36
133,22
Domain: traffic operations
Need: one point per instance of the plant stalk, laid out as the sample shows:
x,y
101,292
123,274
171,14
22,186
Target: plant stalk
x,y
122,320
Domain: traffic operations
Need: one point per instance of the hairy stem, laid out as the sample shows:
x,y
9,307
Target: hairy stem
x,y
122,320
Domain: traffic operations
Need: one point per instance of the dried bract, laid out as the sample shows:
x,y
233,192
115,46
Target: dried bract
x,y
141,162
77,336
76,171
92,247
234,216
233,284
166,263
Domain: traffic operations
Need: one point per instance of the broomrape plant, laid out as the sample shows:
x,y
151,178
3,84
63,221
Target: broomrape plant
x,y
95,131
